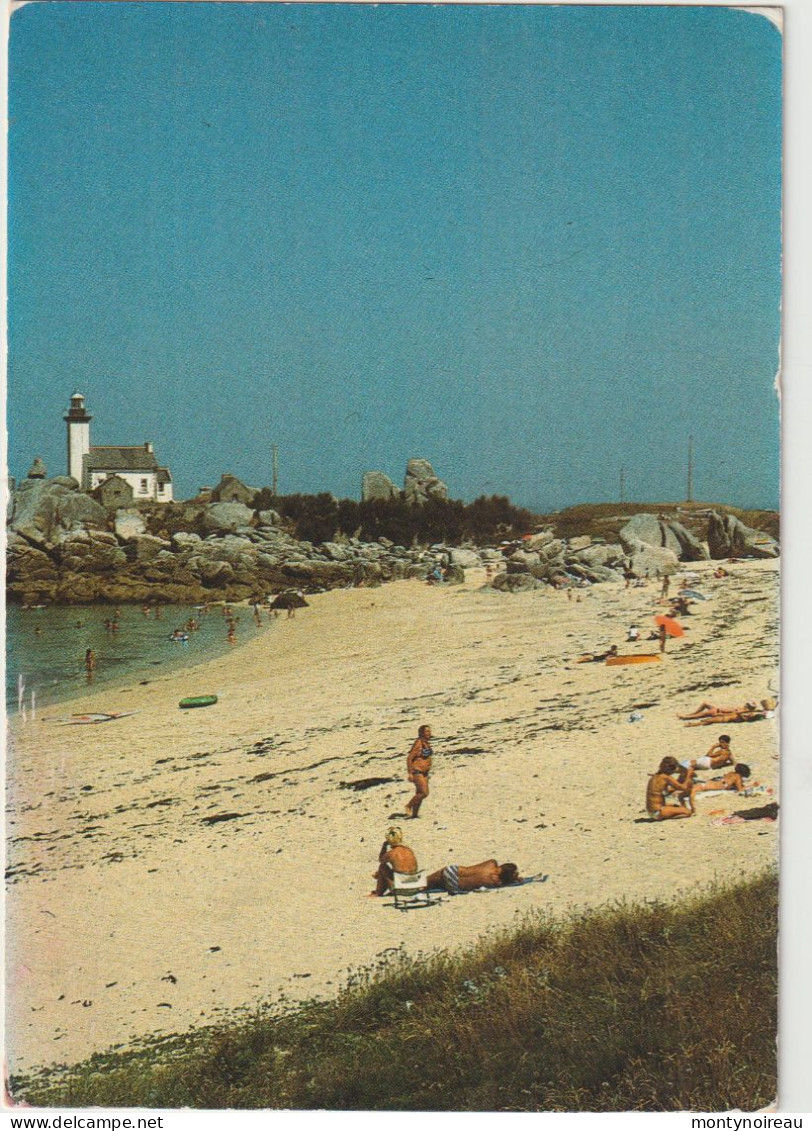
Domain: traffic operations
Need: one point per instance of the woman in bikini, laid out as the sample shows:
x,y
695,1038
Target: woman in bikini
x,y
418,765
734,780
663,783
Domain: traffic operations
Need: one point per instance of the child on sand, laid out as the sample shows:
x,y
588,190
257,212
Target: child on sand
x,y
663,783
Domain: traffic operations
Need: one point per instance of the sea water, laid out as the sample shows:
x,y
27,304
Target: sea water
x,y
45,648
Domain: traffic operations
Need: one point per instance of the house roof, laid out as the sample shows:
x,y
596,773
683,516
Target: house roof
x,y
164,475
120,459
113,481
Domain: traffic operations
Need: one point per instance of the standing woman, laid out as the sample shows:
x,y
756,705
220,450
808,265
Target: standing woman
x,y
418,765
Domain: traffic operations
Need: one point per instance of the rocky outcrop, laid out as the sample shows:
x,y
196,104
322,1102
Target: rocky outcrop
x,y
44,507
226,518
690,548
376,485
460,556
728,537
651,561
421,482
128,524
649,530
62,546
660,533
516,582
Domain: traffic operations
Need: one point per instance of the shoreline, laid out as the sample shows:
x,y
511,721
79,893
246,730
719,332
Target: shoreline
x,y
170,864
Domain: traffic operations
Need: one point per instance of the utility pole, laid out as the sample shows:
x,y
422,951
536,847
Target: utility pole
x,y
690,494
274,469
622,485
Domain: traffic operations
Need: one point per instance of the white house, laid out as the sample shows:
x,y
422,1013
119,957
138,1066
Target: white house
x,y
92,466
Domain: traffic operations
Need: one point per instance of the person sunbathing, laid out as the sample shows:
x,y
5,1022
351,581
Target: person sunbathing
x,y
733,780
709,711
395,856
719,755
660,787
597,657
740,715
456,878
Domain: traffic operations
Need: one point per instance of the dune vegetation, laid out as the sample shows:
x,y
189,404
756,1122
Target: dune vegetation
x,y
652,1007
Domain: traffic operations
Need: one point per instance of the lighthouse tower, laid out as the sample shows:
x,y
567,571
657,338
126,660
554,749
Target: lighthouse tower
x,y
78,422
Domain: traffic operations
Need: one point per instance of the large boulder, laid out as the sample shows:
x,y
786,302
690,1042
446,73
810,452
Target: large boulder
x,y
88,552
690,548
516,582
581,542
128,524
421,482
541,539
216,573
28,567
649,529
468,559
42,507
186,542
552,551
729,537
376,485
522,560
146,547
651,561
224,518
603,554
454,574
336,552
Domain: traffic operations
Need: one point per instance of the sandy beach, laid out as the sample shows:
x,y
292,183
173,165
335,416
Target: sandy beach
x,y
172,867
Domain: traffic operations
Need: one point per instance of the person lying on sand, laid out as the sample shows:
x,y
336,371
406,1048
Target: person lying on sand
x,y
395,856
456,878
662,784
708,711
596,657
742,715
733,780
719,755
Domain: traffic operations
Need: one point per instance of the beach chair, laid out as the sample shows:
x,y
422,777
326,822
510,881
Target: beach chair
x,y
410,890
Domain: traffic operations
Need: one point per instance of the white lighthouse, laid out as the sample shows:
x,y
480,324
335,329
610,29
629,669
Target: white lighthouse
x,y
78,422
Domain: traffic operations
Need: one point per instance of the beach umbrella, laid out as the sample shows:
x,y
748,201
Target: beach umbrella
x,y
671,626
289,601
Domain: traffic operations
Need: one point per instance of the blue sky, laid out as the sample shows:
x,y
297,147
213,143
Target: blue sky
x,y
530,244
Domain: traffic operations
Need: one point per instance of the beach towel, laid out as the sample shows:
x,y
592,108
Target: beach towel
x,y
97,717
538,878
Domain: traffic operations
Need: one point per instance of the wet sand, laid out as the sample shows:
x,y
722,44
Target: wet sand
x,y
173,867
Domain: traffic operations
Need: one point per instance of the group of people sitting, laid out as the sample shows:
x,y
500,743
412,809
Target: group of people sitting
x,y
671,790
395,856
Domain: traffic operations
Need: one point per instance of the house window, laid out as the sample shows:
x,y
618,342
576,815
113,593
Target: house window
x,y
160,488
143,486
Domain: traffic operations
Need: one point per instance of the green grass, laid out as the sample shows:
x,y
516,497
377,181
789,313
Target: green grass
x,y
658,1007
